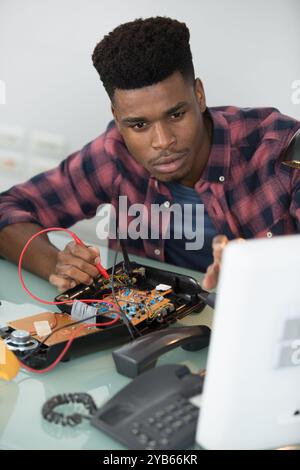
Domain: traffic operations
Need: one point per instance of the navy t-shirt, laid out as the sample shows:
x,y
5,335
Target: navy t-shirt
x,y
175,249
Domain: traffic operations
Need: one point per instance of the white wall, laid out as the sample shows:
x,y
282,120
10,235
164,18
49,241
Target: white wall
x,y
246,52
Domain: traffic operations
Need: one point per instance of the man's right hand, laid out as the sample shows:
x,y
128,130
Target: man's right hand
x,y
74,265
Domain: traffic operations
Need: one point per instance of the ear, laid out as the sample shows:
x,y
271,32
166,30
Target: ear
x,y
115,115
200,95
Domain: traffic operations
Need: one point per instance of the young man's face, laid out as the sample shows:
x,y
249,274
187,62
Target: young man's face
x,y
164,129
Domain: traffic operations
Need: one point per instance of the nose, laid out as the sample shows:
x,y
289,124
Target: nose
x,y
162,137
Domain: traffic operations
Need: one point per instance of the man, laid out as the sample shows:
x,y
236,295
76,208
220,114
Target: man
x,y
165,146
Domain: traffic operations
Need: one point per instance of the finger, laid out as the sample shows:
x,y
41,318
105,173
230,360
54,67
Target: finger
x,y
70,271
211,276
61,283
71,260
86,253
218,244
95,250
219,241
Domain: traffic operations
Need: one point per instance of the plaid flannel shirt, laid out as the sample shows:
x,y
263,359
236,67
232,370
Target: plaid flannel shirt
x,y
246,190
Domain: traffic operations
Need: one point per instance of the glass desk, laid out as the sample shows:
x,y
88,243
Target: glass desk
x,y
21,400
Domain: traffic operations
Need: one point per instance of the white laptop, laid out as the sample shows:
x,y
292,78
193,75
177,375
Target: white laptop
x,y
251,397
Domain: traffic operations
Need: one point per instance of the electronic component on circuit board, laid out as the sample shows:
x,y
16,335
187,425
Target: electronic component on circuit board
x,y
133,302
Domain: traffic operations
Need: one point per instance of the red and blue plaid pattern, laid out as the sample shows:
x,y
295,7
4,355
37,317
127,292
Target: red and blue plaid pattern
x,y
245,188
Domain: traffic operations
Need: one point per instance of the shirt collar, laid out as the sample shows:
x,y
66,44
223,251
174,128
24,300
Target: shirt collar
x,y
217,166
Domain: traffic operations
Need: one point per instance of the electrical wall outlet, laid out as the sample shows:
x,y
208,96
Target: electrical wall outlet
x,y
12,162
45,144
12,138
38,165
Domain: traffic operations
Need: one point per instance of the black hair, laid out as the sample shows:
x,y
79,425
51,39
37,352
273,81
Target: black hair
x,y
143,52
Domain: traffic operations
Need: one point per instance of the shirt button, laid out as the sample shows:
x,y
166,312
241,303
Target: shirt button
x,y
222,178
157,252
269,234
167,204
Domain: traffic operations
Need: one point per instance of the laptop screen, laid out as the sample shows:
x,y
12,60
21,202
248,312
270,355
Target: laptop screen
x,y
251,397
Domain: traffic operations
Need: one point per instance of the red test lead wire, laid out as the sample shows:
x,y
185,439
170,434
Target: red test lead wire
x,y
77,240
71,339
99,266
66,348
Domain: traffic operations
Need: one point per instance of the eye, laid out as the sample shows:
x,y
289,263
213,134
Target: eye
x,y
177,115
139,125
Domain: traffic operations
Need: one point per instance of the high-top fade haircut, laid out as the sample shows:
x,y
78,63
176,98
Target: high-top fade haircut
x,y
142,53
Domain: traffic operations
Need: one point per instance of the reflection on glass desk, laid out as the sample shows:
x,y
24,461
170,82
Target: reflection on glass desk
x,y
21,423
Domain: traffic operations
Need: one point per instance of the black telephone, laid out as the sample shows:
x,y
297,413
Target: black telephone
x,y
142,353
153,411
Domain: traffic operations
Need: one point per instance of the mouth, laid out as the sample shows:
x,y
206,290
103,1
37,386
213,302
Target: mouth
x,y
171,163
